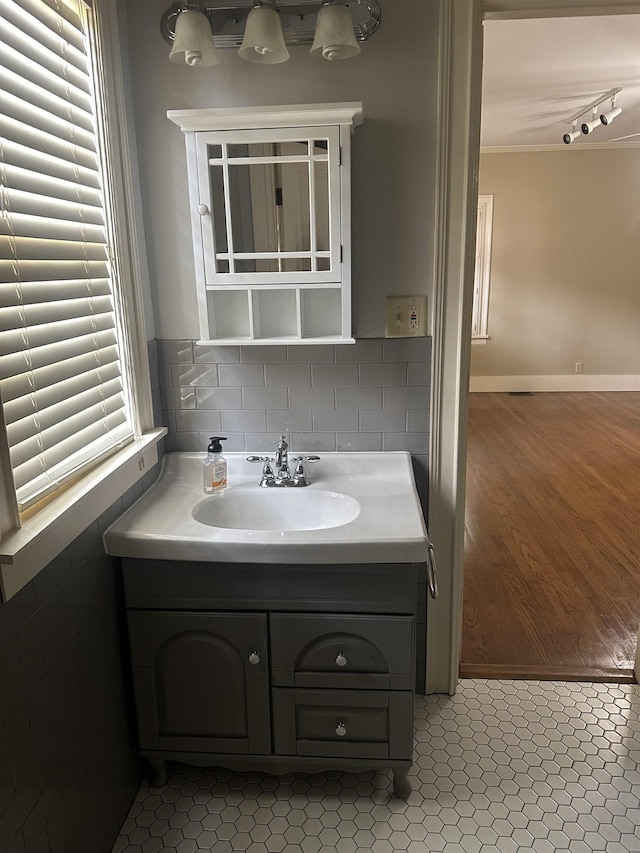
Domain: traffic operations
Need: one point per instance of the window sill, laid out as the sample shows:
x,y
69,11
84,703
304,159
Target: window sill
x,y
47,532
480,340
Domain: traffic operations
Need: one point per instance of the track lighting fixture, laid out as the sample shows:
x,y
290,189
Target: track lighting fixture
x,y
598,119
261,31
568,138
607,118
589,126
614,112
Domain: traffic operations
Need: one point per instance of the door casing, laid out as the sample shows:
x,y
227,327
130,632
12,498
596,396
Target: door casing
x,y
457,163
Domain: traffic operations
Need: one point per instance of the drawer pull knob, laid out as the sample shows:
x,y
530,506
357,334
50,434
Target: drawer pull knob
x,y
341,730
254,658
341,659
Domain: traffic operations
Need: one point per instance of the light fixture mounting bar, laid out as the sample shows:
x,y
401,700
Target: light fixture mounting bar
x,y
298,17
592,106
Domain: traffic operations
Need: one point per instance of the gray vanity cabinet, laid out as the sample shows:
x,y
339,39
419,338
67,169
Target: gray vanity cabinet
x,y
201,681
277,668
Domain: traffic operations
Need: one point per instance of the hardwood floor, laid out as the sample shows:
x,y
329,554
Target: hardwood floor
x,y
552,544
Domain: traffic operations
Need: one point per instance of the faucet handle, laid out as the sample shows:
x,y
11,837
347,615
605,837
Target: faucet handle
x,y
267,470
300,478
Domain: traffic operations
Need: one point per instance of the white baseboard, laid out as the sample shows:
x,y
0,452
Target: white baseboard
x,y
571,382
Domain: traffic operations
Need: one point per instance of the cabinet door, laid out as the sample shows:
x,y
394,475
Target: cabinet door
x,y
201,681
272,205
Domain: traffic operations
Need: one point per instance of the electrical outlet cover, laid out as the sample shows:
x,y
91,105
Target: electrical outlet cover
x,y
406,317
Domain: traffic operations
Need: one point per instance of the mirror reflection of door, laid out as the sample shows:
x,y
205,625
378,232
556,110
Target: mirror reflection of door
x,y
280,206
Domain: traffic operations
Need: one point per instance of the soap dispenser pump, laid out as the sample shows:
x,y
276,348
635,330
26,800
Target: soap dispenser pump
x,y
215,467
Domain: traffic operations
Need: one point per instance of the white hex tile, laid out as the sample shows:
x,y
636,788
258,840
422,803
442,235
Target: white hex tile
x,y
381,829
346,845
178,820
158,828
501,767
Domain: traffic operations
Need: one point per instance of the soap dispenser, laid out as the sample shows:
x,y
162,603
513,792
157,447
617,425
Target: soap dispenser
x,y
215,467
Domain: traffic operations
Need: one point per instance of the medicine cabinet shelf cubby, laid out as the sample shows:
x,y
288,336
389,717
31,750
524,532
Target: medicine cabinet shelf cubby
x,y
270,197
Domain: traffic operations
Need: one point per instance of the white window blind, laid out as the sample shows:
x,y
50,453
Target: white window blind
x,y
64,397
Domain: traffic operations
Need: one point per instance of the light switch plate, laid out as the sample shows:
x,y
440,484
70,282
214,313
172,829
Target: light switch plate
x,y
406,317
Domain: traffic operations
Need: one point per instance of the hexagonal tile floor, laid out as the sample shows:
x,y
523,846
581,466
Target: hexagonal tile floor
x,y
502,766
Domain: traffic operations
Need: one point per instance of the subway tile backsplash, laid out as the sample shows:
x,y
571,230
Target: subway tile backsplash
x,y
373,395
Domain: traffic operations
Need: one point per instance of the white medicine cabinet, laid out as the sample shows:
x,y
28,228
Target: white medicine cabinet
x,y
270,197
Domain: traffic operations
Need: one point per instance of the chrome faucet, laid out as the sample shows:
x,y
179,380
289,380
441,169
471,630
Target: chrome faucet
x,y
282,475
282,459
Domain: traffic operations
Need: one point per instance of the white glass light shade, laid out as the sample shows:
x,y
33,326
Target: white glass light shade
x,y
263,39
335,38
193,41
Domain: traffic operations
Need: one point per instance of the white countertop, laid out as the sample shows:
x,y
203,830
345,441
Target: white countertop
x,y
388,528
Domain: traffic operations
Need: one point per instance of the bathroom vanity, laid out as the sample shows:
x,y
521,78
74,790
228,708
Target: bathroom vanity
x,y
269,648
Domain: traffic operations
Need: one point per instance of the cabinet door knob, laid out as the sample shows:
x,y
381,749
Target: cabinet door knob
x,y
341,659
203,209
341,730
254,658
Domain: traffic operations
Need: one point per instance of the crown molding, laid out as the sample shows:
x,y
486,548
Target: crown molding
x,y
523,149
513,9
252,118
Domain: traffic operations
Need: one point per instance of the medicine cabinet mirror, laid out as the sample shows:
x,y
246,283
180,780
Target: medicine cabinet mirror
x,y
270,210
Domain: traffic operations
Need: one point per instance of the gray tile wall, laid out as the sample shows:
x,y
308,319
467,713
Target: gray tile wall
x,y
373,395
68,760
154,374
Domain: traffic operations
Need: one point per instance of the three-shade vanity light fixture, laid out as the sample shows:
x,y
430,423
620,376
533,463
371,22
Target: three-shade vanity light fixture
x,y
599,116
261,29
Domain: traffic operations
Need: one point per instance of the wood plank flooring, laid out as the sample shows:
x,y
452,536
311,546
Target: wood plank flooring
x,y
552,537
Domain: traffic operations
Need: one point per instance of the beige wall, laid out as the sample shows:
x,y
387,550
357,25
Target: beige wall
x,y
565,270
393,151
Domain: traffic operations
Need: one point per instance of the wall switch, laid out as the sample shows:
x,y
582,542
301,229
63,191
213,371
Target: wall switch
x,y
579,367
406,316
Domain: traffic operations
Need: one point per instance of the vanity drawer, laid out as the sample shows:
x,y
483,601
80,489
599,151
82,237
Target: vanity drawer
x,y
345,651
343,723
344,588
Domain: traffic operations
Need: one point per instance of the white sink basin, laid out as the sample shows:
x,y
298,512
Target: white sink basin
x,y
359,508
276,509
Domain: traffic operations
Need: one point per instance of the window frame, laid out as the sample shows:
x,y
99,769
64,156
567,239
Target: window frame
x,y
482,273
32,539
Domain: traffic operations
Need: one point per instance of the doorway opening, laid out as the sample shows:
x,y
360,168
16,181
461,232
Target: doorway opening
x,y
551,552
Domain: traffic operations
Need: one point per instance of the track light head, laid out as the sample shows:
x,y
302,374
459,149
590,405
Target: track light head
x,y
568,138
590,126
608,117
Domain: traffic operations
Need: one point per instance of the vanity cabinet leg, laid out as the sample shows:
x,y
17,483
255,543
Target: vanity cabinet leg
x,y
401,783
158,772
